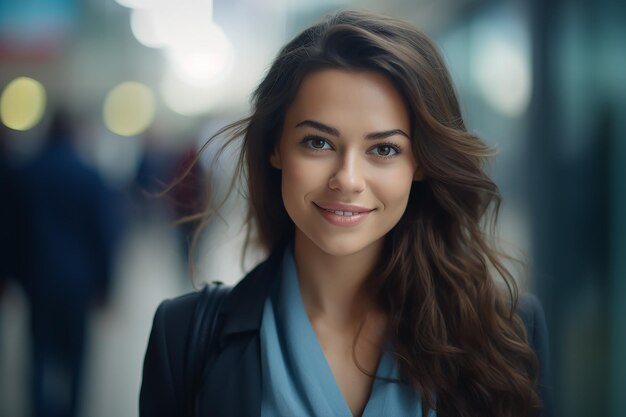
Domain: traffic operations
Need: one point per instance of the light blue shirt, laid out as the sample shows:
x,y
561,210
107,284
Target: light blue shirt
x,y
297,380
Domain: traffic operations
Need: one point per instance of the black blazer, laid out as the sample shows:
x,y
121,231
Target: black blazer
x,y
233,387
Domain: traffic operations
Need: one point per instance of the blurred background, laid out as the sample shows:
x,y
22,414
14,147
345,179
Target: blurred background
x,y
102,102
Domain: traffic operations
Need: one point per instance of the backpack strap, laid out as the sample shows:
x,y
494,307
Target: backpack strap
x,y
201,343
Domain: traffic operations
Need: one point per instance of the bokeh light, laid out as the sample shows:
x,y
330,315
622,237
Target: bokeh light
x,y
500,64
502,73
207,64
138,4
181,26
129,109
23,103
143,27
186,99
195,48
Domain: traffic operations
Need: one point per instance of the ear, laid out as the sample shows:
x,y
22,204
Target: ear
x,y
418,175
275,159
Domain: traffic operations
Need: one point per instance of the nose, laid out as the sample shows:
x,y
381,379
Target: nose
x,y
348,176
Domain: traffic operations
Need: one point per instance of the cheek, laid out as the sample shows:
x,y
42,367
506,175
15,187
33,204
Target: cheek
x,y
394,186
299,179
301,176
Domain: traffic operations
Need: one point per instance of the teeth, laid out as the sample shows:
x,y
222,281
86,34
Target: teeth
x,y
342,213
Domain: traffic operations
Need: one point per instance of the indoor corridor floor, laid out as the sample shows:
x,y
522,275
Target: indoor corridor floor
x,y
148,270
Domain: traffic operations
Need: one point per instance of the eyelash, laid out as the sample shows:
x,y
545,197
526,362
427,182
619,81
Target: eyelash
x,y
396,149
306,141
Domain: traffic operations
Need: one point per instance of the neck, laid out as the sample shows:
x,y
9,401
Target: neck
x,y
335,287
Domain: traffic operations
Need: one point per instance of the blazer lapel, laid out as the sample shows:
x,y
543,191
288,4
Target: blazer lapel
x,y
232,386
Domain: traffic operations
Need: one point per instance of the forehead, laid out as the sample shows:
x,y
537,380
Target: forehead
x,y
360,100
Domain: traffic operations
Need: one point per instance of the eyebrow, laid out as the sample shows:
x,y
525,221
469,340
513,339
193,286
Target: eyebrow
x,y
334,132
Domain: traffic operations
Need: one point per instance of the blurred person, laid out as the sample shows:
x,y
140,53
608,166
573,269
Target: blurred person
x,y
379,296
12,221
7,190
74,224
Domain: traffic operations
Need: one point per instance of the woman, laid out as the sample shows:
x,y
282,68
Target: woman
x,y
379,295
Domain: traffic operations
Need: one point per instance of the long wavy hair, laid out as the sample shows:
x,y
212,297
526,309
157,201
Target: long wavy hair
x,y
456,334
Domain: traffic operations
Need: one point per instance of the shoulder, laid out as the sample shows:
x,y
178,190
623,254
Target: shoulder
x,y
172,319
162,380
173,312
531,313
164,363
174,316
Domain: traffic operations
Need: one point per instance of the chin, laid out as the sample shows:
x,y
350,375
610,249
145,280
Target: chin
x,y
342,245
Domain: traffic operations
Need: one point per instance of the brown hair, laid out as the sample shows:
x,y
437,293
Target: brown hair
x,y
457,337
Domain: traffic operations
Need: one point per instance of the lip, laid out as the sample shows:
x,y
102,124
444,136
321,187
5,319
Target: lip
x,y
359,214
342,207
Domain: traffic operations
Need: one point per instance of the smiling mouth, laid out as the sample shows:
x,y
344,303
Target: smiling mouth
x,y
348,211
342,213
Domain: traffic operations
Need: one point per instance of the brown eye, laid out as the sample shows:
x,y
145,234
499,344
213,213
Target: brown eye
x,y
385,150
316,143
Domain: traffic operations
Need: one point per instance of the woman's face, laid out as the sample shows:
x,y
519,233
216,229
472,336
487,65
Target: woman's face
x,y
346,160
